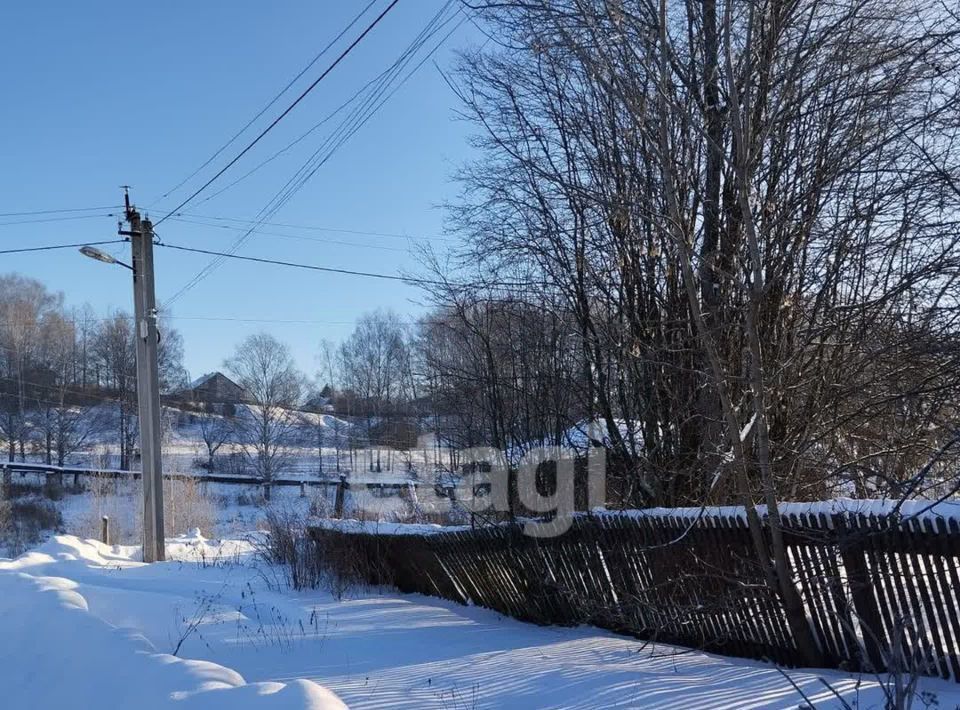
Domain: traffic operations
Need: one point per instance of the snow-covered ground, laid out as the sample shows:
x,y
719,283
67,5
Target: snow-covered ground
x,y
84,625
72,641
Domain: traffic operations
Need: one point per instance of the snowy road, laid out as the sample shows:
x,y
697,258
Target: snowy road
x,y
96,633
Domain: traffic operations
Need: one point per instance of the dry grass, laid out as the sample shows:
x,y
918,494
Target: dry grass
x,y
320,506
186,506
121,501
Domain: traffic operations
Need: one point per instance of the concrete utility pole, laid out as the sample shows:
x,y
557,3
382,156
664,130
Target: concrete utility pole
x,y
148,382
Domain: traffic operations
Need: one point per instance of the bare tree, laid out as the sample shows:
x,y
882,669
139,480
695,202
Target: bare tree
x,y
67,418
329,372
116,357
375,366
57,365
216,429
749,211
173,375
264,368
623,140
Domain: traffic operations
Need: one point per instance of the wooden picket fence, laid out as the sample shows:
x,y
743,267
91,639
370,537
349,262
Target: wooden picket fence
x,y
871,584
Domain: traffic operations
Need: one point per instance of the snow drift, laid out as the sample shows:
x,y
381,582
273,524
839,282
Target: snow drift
x,y
55,654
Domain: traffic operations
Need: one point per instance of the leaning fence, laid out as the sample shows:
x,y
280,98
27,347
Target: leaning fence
x,y
878,586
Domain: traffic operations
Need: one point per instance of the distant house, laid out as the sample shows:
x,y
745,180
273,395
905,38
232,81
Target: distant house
x,y
318,403
215,388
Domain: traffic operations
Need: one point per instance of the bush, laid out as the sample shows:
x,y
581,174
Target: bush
x,y
12,491
319,506
336,562
288,546
351,561
37,513
23,521
53,490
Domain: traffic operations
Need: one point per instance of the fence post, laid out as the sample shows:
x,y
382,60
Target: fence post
x,y
853,555
338,503
303,489
105,530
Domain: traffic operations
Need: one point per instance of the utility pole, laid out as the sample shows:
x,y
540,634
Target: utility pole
x,y
148,381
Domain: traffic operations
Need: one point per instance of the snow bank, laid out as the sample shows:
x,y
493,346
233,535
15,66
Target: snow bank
x,y
55,654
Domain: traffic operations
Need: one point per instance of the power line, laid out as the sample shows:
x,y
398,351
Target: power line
x,y
211,319
286,111
276,98
410,280
371,104
380,78
228,319
323,121
345,130
299,237
277,262
60,246
164,317
58,219
366,233
59,211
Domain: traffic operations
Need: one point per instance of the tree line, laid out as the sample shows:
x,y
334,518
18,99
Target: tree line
x,y
66,375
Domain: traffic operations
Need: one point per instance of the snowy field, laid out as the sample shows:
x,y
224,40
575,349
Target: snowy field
x,y
87,626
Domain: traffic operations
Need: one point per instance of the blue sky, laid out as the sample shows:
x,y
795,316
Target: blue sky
x,y
99,94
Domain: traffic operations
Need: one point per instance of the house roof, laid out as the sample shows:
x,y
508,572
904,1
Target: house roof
x,y
202,380
219,384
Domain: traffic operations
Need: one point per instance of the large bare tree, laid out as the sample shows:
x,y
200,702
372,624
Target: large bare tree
x,y
264,368
749,211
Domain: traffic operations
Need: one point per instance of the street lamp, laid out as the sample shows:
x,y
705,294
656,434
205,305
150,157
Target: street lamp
x,y
147,338
100,255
